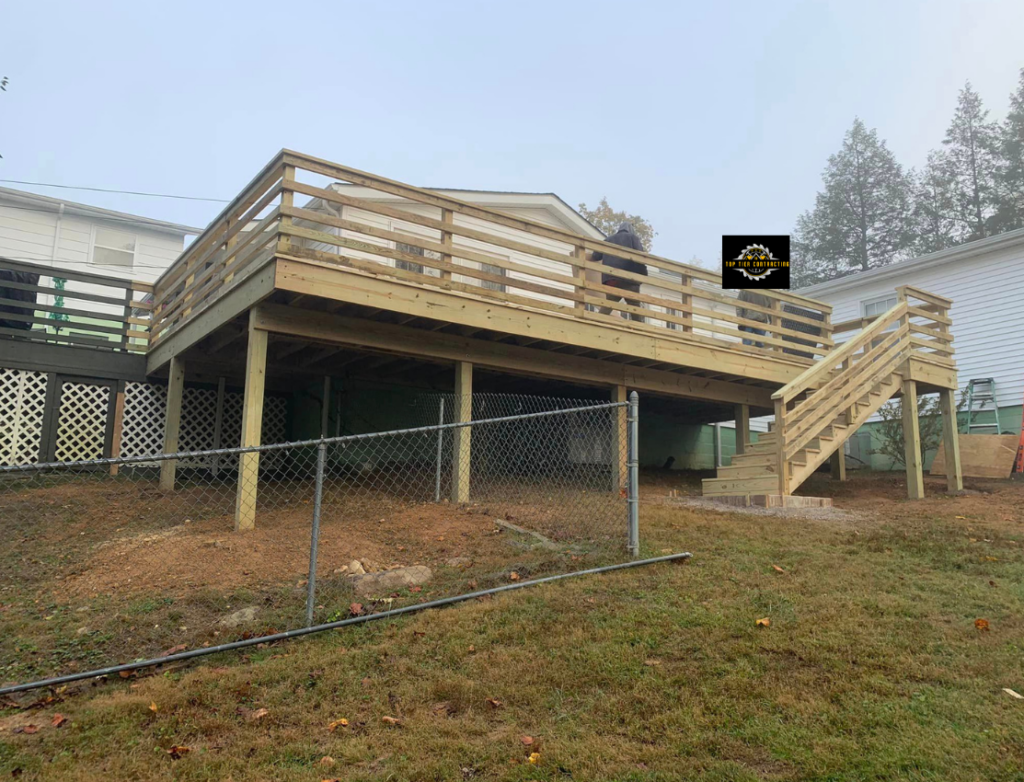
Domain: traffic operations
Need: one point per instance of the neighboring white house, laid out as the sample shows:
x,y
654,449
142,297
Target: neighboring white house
x,y
74,237
985,280
77,237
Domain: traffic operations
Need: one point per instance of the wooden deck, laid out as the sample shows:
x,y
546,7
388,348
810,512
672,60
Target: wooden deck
x,y
401,268
316,268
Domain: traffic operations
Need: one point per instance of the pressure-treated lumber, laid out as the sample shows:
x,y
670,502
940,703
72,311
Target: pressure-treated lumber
x,y
912,441
951,440
742,428
981,456
337,329
252,428
463,436
172,422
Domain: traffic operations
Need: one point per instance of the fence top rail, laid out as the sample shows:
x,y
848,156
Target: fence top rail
x,y
317,442
66,274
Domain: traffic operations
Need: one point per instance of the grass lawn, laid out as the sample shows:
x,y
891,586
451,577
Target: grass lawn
x,y
872,667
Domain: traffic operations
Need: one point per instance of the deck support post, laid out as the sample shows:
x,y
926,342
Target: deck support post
x,y
781,463
742,429
951,440
912,441
620,461
837,464
462,454
172,422
252,426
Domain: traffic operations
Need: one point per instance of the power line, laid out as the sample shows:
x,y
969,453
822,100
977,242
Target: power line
x,y
121,192
41,262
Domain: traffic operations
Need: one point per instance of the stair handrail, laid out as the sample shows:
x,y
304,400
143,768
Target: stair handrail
x,y
828,362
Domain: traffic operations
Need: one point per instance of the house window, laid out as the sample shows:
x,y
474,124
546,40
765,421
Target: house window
x,y
874,307
113,248
491,268
409,249
409,266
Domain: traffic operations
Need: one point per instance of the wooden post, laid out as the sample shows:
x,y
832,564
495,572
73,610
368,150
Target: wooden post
x,y
621,472
172,424
447,216
742,428
951,440
838,464
218,423
252,426
686,300
462,456
115,440
775,323
325,409
782,464
287,199
912,441
580,273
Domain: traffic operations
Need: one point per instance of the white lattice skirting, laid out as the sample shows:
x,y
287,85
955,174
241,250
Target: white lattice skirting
x,y
22,398
83,420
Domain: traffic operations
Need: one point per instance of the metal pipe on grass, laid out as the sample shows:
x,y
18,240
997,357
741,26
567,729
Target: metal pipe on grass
x,y
446,601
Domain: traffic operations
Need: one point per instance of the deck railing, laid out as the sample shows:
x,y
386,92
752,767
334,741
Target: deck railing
x,y
391,230
40,303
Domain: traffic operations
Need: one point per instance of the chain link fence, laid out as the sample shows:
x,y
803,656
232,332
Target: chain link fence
x,y
118,560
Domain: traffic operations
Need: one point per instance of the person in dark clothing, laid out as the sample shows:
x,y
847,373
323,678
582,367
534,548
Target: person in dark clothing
x,y
626,236
16,294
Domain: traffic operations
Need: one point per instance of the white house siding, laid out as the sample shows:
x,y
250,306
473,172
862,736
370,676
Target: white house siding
x,y
65,241
987,290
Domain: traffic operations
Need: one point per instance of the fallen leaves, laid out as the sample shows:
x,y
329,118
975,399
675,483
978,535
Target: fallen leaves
x,y
777,569
58,720
153,707
763,622
326,760
652,663
392,721
513,576
534,757
981,625
495,703
527,740
258,714
342,723
175,650
177,752
356,609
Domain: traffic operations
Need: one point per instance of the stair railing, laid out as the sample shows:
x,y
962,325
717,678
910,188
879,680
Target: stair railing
x,y
838,381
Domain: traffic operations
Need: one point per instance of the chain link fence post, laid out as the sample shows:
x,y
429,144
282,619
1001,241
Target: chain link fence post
x,y
633,465
314,540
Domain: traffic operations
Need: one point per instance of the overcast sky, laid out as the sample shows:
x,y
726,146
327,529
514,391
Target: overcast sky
x,y
706,118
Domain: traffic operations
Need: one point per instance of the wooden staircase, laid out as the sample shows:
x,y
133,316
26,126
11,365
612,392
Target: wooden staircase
x,y
822,408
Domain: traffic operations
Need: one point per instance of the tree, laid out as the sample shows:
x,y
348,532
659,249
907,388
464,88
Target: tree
x,y
607,220
862,218
1010,167
967,167
933,209
890,428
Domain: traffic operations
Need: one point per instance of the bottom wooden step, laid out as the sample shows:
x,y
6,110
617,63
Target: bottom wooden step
x,y
772,501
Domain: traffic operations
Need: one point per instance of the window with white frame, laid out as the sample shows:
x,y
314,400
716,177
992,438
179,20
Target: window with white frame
x,y
874,307
113,248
